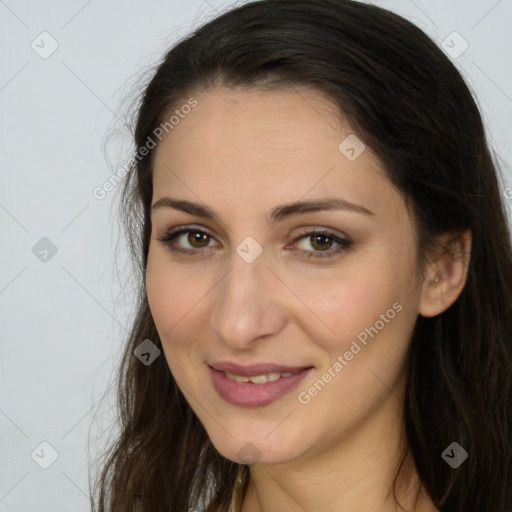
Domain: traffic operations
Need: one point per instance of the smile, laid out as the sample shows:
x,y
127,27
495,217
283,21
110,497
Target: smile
x,y
258,379
256,385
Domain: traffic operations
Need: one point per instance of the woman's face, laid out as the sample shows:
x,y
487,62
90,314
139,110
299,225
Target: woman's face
x,y
251,290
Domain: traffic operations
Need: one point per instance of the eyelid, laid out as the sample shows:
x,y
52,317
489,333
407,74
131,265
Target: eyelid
x,y
309,230
188,227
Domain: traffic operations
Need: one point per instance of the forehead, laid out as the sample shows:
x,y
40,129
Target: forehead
x,y
263,147
236,123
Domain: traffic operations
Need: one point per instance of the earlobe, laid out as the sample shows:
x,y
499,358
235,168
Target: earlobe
x,y
446,276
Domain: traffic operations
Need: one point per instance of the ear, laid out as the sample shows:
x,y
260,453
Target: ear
x,y
446,275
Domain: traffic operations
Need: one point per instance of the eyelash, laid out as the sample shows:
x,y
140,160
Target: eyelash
x,y
344,244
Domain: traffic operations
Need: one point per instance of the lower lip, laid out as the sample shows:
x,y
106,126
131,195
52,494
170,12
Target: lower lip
x,y
248,394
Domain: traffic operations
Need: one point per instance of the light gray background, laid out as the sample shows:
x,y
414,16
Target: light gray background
x,y
64,319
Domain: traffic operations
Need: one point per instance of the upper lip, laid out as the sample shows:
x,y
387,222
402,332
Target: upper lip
x,y
255,369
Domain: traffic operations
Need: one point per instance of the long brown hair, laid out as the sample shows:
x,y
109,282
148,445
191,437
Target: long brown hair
x,y
407,101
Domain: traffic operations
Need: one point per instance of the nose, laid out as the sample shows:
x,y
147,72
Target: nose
x,y
249,304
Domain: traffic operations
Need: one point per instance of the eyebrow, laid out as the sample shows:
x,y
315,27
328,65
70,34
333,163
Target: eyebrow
x,y
278,214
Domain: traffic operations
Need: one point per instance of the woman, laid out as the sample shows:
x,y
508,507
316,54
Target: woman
x,y
326,267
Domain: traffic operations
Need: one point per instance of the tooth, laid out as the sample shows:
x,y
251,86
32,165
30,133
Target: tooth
x,y
258,379
237,378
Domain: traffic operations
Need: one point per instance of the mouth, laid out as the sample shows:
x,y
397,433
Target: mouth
x,y
255,385
259,379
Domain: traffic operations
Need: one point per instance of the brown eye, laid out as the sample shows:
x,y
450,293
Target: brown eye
x,y
198,239
321,242
187,240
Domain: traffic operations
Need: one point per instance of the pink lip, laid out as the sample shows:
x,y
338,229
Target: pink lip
x,y
247,394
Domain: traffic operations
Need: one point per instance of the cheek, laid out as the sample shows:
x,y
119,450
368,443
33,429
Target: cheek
x,y
169,300
371,318
162,302
166,310
179,303
365,313
172,293
343,304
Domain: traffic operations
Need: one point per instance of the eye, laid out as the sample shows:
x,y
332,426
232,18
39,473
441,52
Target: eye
x,y
197,240
324,244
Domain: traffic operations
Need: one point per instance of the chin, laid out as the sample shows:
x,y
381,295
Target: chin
x,y
255,450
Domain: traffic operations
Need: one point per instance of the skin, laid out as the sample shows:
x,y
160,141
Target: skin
x,y
242,153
